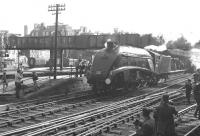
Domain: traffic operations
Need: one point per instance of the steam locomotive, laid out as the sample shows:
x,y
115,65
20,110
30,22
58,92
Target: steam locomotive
x,y
124,67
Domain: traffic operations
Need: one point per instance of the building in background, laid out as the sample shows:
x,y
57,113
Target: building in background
x,y
42,30
42,57
8,58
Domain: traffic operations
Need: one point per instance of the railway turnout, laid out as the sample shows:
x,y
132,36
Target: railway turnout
x,y
69,119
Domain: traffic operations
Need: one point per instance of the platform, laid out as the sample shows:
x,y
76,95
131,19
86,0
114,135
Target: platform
x,y
48,86
44,71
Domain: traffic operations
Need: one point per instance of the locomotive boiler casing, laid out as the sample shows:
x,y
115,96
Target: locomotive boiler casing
x,y
105,61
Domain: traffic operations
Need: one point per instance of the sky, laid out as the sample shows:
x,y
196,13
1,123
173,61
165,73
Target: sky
x,y
170,18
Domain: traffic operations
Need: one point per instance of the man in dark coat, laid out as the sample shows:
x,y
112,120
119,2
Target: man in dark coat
x,y
4,81
35,78
163,115
196,93
196,76
188,90
147,127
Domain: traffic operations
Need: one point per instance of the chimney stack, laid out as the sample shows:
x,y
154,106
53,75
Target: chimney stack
x,y
25,30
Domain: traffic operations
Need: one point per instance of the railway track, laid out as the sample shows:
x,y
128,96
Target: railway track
x,y
45,113
194,132
123,125
75,119
119,124
25,103
188,125
99,118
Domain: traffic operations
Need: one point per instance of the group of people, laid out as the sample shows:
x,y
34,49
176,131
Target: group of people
x,y
161,123
19,82
82,66
195,87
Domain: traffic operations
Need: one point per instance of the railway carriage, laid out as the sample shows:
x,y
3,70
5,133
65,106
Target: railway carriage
x,y
126,67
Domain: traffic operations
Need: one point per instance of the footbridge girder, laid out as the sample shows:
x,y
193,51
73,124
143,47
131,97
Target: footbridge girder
x,y
78,42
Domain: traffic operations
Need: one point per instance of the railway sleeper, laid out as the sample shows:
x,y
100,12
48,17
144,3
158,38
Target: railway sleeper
x,y
41,105
115,131
7,113
16,125
4,124
6,129
58,114
90,119
15,121
41,119
81,122
65,113
29,122
118,123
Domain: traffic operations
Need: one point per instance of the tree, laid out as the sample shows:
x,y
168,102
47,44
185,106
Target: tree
x,y
181,43
160,39
170,45
197,44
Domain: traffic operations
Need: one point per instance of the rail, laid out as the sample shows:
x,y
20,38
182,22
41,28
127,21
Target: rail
x,y
118,120
148,97
194,131
97,112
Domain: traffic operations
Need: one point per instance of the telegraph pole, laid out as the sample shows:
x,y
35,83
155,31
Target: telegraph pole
x,y
2,48
56,8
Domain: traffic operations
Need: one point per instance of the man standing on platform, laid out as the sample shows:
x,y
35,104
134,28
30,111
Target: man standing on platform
x,y
4,81
35,78
18,82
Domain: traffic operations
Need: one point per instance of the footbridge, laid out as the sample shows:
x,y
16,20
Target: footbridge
x,y
77,42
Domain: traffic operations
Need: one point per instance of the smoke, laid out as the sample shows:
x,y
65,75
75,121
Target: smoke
x,y
195,57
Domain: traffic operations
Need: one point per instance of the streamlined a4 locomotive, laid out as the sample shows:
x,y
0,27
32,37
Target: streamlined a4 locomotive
x,y
124,67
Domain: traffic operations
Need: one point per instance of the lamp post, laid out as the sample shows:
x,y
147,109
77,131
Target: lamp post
x,y
56,8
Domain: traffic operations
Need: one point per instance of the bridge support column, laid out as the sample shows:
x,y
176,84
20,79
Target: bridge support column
x,y
61,59
51,62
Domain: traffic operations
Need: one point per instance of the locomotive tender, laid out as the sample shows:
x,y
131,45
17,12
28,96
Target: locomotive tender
x,y
125,67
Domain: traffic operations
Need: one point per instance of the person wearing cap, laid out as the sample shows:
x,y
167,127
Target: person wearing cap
x,y
188,90
4,81
147,127
164,118
196,93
